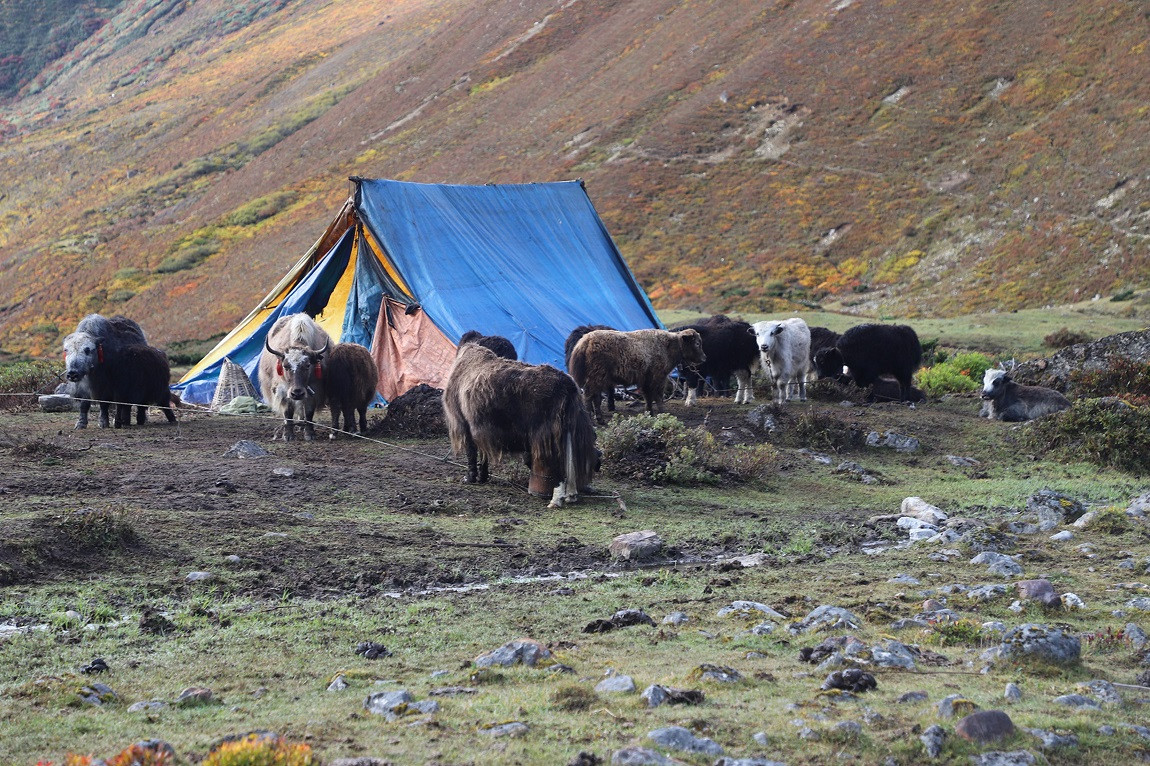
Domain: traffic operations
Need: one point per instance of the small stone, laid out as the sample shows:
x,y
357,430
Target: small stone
x,y
338,684
1012,693
640,756
656,694
720,673
1103,690
616,685
1001,758
1050,505
511,729
851,680
678,738
391,705
1051,740
525,651
98,665
904,579
372,650
676,619
194,695
955,704
1041,591
848,729
246,449
760,738
1077,701
233,559
932,739
1106,731
1062,536
986,592
763,629
749,610
198,576
984,726
97,694
1135,635
1071,601
636,546
915,696
283,471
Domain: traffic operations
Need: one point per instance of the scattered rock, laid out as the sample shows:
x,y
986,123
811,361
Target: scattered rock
x,y
678,738
915,696
851,680
97,694
246,449
719,673
893,654
624,618
57,403
1070,601
636,546
1063,536
922,510
656,695
749,610
1104,691
826,617
640,756
856,470
676,619
337,684
986,592
1052,740
1135,635
998,563
521,651
233,560
1053,506
1077,701
371,650
932,739
194,695
984,726
394,705
1041,591
509,729
955,704
961,462
198,576
452,691
1000,758
1012,693
1041,642
893,440
616,685
98,665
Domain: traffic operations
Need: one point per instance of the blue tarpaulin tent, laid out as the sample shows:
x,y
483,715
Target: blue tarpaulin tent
x,y
407,268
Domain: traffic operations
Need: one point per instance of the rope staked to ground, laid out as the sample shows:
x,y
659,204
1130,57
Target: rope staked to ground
x,y
276,419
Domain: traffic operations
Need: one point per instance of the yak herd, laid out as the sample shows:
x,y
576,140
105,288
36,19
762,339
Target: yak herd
x,y
494,404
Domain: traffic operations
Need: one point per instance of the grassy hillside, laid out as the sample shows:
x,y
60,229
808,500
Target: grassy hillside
x,y
895,159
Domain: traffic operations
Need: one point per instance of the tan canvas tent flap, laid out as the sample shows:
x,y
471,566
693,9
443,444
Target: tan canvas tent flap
x,y
409,349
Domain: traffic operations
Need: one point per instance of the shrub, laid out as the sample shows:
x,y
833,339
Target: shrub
x,y
1105,431
822,430
260,209
958,374
1122,377
1065,337
32,378
662,449
1122,295
261,750
103,528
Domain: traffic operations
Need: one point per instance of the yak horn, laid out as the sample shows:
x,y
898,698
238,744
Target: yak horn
x,y
320,352
272,350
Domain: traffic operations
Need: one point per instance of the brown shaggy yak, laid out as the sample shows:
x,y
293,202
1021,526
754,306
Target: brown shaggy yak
x,y
350,380
496,406
643,358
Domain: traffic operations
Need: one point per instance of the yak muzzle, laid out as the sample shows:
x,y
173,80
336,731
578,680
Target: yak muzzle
x,y
74,376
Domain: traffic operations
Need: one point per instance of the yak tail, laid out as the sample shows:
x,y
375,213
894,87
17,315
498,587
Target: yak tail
x,y
577,448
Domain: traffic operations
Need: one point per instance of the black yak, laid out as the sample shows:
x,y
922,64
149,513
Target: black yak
x,y
350,379
730,348
497,343
496,406
867,351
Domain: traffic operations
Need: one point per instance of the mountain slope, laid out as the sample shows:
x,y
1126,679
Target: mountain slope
x,y
888,156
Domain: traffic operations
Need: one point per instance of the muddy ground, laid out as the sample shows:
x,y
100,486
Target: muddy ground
x,y
351,514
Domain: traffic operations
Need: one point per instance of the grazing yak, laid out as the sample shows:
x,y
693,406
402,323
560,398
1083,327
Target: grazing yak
x,y
100,366
350,379
784,348
496,406
643,358
867,351
292,378
822,338
1003,399
730,350
497,343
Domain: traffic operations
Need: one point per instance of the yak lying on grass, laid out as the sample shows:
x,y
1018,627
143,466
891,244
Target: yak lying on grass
x,y
1003,399
496,406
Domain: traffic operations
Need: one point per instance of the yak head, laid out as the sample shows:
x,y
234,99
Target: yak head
x,y
82,353
767,335
299,366
994,383
691,346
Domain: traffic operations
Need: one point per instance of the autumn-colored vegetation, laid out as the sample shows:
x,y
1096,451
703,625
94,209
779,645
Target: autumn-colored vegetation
x,y
170,160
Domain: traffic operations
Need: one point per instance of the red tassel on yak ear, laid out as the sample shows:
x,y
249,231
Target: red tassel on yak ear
x,y
318,371
100,353
279,367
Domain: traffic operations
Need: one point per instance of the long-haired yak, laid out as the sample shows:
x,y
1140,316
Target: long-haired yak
x,y
496,406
